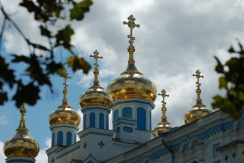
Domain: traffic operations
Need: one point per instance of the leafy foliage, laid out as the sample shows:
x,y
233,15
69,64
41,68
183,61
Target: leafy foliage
x,y
38,68
232,81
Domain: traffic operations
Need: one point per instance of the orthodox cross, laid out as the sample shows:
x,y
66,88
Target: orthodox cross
x,y
22,124
198,90
131,24
164,109
66,76
96,71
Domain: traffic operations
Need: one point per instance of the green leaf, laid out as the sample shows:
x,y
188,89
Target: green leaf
x,y
77,63
231,50
6,74
63,37
219,67
26,94
3,97
54,67
45,31
79,9
222,82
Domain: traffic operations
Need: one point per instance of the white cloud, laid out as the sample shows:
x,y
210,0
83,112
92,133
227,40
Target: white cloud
x,y
2,156
3,120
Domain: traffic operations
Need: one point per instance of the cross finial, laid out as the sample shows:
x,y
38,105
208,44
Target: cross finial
x,y
23,110
96,70
66,76
164,109
164,95
131,24
198,90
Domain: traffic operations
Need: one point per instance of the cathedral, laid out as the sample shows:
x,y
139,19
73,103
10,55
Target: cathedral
x,y
206,136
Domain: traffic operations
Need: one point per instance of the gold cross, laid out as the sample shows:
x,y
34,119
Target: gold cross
x,y
198,76
163,94
131,24
96,57
66,76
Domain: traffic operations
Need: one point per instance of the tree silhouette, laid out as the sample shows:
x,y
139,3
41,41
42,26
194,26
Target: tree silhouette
x,y
232,81
41,61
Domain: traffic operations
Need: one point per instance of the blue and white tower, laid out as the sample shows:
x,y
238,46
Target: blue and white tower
x,y
64,122
96,102
133,96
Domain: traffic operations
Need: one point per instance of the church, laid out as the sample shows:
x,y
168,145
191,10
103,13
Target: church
x,y
206,136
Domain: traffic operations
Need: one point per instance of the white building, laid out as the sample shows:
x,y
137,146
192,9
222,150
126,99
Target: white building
x,y
206,137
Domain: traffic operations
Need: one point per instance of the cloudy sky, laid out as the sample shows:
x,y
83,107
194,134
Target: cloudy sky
x,y
175,39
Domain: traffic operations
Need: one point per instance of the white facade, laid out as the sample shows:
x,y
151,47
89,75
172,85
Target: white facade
x,y
215,138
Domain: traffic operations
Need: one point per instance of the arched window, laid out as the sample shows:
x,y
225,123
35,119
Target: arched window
x,y
107,122
53,139
116,115
141,119
60,138
92,120
84,121
150,120
101,120
68,138
127,113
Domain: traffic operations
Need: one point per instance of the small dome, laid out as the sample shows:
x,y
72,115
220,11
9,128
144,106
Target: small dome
x,y
199,110
21,144
161,128
196,113
96,97
132,84
64,115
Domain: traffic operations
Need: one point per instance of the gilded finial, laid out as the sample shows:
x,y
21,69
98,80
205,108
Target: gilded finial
x,y
65,91
96,70
131,49
199,103
164,109
22,124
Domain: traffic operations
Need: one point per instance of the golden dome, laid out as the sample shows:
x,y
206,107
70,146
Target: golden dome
x,y
163,126
199,110
64,115
96,96
21,144
131,83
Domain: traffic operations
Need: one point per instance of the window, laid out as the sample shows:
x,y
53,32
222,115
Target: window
x,y
107,121
84,121
68,138
127,113
53,139
92,120
116,115
141,119
60,138
150,120
101,120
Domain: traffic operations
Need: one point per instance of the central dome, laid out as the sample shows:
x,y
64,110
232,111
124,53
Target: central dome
x,y
132,84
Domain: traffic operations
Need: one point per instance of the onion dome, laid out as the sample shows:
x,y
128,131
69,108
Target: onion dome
x,y
96,96
132,83
64,115
199,110
163,126
21,144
